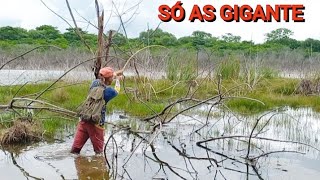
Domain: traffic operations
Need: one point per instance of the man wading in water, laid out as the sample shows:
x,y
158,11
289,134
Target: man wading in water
x,y
92,112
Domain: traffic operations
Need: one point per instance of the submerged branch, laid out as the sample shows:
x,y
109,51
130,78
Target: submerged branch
x,y
164,163
273,152
255,137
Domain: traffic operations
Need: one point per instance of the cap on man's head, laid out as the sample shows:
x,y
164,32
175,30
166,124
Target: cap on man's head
x,y
106,72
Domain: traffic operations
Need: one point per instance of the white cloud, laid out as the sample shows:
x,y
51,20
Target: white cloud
x,y
32,13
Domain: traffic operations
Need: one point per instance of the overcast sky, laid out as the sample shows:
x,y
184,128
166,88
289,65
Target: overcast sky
x,y
32,13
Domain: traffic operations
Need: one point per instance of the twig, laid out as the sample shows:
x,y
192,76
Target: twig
x,y
164,163
115,155
20,89
56,14
257,137
273,152
77,29
41,102
187,156
165,109
132,56
249,143
39,95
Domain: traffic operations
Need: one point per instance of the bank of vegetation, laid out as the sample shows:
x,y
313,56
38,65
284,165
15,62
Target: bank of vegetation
x,y
15,37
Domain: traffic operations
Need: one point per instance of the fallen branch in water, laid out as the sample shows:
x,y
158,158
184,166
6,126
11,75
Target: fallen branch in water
x,y
256,137
163,163
46,106
273,152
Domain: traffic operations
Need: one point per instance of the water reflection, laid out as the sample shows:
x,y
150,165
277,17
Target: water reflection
x,y
92,167
176,148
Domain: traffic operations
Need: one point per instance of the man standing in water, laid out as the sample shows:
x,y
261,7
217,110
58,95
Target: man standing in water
x,y
95,131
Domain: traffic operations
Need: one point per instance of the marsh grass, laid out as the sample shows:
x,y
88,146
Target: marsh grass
x,y
274,92
269,73
60,95
181,69
6,119
229,69
54,125
134,108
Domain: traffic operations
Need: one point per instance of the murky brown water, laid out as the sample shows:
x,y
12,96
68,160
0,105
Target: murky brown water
x,y
53,160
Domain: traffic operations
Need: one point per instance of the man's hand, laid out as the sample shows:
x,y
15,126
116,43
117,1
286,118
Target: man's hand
x,y
119,72
119,77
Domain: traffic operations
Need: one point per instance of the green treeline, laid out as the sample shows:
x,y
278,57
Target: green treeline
x,y
12,37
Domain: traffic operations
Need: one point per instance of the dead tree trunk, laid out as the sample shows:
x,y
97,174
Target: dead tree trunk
x,y
97,66
108,47
101,42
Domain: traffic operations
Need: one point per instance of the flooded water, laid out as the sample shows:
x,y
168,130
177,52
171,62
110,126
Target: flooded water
x,y
16,77
178,153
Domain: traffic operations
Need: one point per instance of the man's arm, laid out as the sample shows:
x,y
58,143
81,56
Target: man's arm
x,y
109,93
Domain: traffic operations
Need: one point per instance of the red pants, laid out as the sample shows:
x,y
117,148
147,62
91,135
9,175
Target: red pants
x,y
87,130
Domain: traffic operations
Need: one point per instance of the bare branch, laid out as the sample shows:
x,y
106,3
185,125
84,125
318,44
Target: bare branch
x,y
25,173
257,137
77,29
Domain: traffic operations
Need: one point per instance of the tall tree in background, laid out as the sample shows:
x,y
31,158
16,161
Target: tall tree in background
x,y
229,37
158,36
279,34
200,39
12,33
282,36
45,32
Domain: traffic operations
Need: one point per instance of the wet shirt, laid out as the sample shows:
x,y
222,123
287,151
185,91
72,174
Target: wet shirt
x,y
108,94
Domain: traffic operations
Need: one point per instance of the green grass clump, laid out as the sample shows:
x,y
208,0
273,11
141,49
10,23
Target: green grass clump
x,y
60,95
246,106
269,73
181,69
54,125
135,108
229,69
287,88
